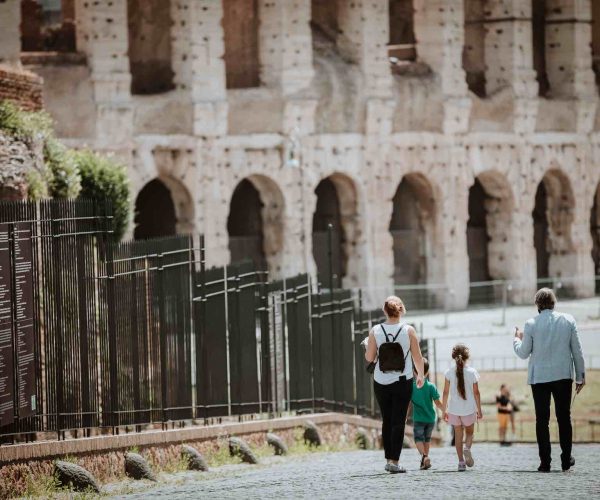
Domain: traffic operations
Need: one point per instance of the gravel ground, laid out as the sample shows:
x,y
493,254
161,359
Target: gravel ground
x,y
498,473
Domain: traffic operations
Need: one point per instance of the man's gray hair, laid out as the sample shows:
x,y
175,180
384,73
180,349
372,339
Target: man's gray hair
x,y
545,299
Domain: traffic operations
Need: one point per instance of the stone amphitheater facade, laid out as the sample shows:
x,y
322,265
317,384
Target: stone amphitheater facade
x,y
448,141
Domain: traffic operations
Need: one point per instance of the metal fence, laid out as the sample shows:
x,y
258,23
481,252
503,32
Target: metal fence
x,y
96,336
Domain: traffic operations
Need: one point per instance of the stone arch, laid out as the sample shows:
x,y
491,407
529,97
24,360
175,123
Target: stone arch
x,y
490,237
336,204
595,230
256,223
553,216
149,28
163,207
402,30
473,56
413,227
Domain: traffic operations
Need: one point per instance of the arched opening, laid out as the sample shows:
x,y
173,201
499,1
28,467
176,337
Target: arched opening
x,y
324,18
240,27
402,44
477,234
48,25
538,30
490,236
332,251
412,228
245,225
552,218
595,228
155,214
149,23
596,40
473,56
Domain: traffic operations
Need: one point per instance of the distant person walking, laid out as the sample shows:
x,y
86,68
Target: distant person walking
x,y
552,345
505,411
394,346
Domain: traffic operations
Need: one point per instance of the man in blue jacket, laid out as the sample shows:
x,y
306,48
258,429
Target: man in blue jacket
x,y
552,345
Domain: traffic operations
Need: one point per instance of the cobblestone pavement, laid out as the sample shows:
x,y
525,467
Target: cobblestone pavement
x,y
498,473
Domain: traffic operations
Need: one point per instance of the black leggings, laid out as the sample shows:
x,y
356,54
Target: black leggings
x,y
393,402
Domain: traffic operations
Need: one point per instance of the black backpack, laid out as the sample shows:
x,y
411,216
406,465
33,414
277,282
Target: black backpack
x,y
391,355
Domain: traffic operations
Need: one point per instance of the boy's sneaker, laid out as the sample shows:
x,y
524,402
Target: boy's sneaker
x,y
468,457
425,463
462,466
387,467
395,469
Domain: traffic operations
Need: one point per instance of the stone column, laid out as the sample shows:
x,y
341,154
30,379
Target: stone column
x,y
198,48
105,23
569,57
509,57
439,30
363,38
10,37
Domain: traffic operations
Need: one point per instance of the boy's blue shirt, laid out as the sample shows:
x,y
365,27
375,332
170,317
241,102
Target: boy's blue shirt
x,y
422,400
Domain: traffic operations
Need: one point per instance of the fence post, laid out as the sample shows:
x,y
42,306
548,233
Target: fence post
x,y
330,254
163,340
311,338
226,295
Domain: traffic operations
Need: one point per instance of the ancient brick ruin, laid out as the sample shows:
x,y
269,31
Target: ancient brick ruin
x,y
448,141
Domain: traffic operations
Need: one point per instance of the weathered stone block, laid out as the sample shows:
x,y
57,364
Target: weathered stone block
x,y
277,443
312,436
195,459
239,448
137,467
75,477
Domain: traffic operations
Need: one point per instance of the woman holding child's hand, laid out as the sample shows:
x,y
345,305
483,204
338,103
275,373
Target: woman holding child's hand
x,y
396,349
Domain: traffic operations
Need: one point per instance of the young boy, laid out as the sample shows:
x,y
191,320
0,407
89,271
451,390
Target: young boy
x,y
424,416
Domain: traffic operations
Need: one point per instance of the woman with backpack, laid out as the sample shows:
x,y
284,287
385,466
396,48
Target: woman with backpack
x,y
394,348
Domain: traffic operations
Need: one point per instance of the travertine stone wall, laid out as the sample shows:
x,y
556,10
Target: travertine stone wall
x,y
353,121
10,16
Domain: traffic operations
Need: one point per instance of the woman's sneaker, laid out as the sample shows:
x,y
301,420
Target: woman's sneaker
x,y
425,463
395,469
468,457
387,467
462,466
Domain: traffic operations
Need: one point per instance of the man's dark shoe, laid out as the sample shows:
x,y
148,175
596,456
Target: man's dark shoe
x,y
571,463
544,468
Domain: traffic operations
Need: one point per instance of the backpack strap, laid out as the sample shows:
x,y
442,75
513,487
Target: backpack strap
x,y
387,335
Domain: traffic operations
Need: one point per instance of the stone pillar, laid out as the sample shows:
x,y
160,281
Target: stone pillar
x,y
10,37
508,52
569,57
198,48
439,30
105,24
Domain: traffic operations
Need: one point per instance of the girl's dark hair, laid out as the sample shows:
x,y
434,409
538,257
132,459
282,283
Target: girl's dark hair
x,y
460,354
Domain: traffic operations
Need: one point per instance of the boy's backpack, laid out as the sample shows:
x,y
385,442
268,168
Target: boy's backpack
x,y
391,355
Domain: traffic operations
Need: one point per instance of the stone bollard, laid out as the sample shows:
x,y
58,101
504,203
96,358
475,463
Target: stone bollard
x,y
194,459
75,477
137,467
238,447
277,443
312,437
362,439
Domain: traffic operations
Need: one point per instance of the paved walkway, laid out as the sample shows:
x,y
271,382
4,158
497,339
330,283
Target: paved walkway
x,y
498,473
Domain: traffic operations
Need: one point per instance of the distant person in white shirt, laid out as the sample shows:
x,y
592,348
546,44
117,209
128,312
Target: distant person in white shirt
x,y
555,357
464,407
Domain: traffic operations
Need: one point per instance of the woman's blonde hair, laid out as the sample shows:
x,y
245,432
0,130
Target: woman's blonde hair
x,y
394,307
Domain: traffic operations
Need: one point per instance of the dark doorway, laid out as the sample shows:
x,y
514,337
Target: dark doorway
x,y
240,26
245,225
540,231
477,234
330,269
473,56
402,33
154,212
150,46
324,18
595,228
538,30
408,233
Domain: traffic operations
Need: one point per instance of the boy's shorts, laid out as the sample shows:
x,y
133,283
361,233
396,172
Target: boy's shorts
x,y
503,419
422,431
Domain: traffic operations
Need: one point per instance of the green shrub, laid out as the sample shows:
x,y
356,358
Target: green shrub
x,y
24,125
65,181
37,185
103,179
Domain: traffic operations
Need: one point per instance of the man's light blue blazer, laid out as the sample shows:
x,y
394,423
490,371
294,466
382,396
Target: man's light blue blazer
x,y
551,343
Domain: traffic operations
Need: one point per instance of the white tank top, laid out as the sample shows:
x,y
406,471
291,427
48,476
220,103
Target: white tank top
x,y
404,340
